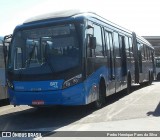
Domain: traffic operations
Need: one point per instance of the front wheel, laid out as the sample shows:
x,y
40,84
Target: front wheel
x,y
158,77
101,96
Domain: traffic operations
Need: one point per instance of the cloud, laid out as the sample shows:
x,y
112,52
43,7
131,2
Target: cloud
x,y
140,16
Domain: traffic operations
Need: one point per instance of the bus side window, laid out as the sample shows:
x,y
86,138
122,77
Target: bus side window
x,y
116,45
99,47
1,56
122,46
107,44
110,55
149,55
131,49
140,48
89,34
127,47
112,61
142,51
146,52
90,52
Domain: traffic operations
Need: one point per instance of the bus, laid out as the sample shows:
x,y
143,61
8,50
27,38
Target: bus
x,y
3,87
157,61
74,58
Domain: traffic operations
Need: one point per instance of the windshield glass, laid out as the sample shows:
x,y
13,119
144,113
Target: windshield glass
x,y
45,50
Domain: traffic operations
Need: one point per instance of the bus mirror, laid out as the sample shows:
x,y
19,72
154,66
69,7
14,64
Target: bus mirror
x,y
5,53
92,42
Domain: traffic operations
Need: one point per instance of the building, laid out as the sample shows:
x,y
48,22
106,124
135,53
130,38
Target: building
x,y
3,88
155,41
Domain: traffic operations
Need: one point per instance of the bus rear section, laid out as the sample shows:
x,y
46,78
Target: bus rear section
x,y
3,88
157,65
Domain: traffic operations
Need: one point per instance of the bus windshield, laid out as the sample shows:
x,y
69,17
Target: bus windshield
x,y
45,50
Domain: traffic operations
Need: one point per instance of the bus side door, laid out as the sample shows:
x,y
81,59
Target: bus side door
x,y
122,46
111,62
118,62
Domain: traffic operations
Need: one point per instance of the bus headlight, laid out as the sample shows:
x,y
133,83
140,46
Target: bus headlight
x,y
72,81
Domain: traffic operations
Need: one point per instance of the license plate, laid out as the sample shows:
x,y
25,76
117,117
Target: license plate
x,y
38,102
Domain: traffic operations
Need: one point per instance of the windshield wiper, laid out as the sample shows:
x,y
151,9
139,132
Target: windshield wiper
x,y
30,55
49,64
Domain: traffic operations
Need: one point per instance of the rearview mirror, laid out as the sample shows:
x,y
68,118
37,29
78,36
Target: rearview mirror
x,y
92,42
5,51
6,43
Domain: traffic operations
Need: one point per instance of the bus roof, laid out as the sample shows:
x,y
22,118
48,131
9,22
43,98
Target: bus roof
x,y
73,13
145,41
79,13
58,14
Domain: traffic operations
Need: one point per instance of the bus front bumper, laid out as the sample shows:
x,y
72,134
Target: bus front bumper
x,y
74,95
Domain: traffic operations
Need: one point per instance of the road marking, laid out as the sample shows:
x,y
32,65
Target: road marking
x,y
6,126
93,115
110,116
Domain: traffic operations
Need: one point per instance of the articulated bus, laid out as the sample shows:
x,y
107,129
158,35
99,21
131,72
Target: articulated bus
x,y
157,61
74,58
3,87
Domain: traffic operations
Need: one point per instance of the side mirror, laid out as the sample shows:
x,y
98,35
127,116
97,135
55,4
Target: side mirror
x,y
6,43
5,51
92,42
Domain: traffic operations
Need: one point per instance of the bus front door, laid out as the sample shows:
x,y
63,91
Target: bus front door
x,y
111,64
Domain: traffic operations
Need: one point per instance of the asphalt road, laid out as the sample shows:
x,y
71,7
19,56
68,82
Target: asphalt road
x,y
138,111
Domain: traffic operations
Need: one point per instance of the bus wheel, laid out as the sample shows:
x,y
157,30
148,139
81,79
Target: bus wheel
x,y
128,84
158,76
101,95
150,78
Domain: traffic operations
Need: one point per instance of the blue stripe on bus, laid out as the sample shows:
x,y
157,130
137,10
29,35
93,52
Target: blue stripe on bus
x,y
70,96
93,80
76,95
38,85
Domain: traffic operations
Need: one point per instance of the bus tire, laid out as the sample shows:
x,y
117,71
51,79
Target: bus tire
x,y
101,95
128,84
150,78
158,76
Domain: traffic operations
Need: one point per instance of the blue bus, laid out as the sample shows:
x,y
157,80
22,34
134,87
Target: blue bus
x,y
157,65
3,86
74,58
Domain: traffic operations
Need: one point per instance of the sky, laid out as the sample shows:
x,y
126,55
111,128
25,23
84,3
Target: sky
x,y
141,16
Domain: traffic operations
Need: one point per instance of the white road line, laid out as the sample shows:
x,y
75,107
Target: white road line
x,y
6,126
110,116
